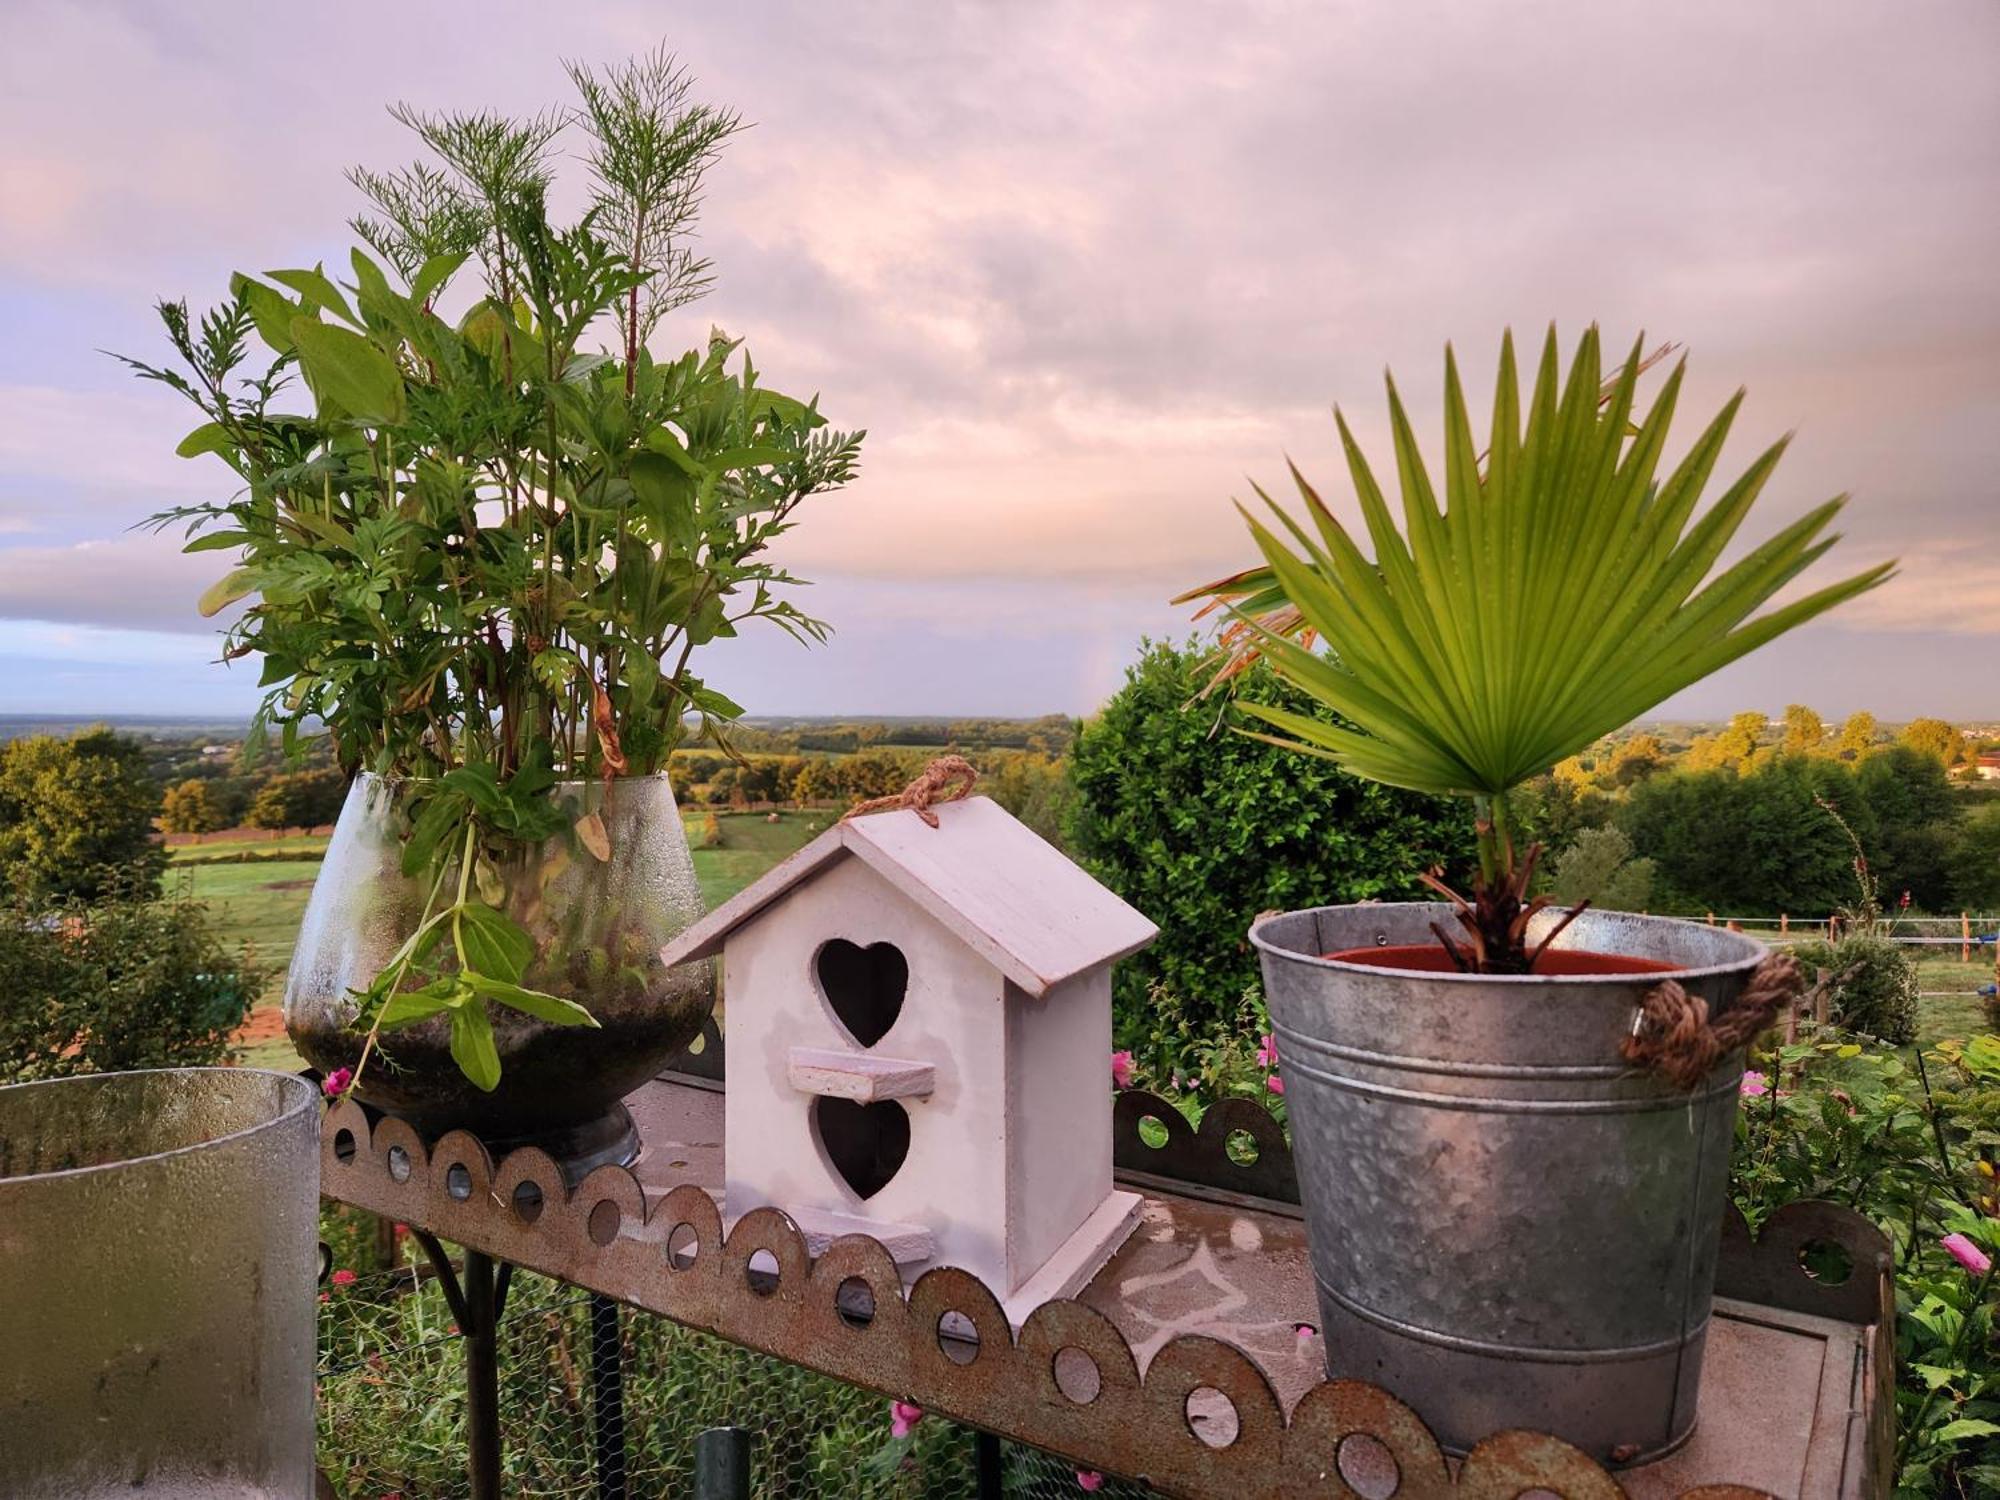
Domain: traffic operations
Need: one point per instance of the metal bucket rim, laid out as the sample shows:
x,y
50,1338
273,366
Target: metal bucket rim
x,y
1754,952
303,1096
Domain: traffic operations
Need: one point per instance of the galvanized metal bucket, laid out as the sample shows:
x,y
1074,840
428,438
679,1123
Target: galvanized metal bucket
x,y
1509,1226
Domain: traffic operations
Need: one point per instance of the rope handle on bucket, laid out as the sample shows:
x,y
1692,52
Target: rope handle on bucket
x,y
933,784
1672,1035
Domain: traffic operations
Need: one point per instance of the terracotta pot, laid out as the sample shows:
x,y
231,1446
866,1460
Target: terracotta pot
x,y
598,926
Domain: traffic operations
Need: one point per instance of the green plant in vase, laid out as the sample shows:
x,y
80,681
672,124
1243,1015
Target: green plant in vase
x,y
481,549
1562,589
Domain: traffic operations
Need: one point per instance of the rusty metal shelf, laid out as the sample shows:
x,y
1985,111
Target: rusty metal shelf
x,y
1197,1379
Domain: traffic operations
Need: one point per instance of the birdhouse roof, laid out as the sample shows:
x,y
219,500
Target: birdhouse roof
x,y
991,881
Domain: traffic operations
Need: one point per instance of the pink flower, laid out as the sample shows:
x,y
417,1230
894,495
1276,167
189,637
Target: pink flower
x,y
1755,1085
903,1418
1267,1051
342,1277
337,1082
1121,1070
1275,1084
1089,1479
1967,1254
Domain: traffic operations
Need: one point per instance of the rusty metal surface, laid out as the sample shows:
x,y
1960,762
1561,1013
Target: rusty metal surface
x,y
1190,1336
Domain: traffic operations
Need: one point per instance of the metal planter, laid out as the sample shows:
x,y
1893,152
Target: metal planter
x,y
1510,1228
158,1249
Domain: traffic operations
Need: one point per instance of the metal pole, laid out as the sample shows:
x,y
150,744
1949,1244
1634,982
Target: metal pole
x,y
986,1464
482,1376
607,1397
475,1299
722,1464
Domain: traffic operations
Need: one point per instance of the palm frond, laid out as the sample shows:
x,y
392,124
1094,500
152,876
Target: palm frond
x,y
1551,589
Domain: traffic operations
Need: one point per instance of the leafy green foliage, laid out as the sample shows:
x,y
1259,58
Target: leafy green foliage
x,y
132,981
298,799
1910,1144
1599,867
1875,984
190,807
1916,814
76,816
1750,844
485,557
1202,830
1563,589
1976,861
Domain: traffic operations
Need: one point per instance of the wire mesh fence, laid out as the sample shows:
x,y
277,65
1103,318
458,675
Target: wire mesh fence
x,y
603,1402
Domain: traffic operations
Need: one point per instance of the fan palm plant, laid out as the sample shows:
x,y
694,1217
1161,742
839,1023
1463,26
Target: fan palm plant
x,y
1562,589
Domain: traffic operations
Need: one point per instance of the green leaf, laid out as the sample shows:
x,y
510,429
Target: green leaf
x,y
1965,1427
317,290
709,701
551,1008
472,1046
434,273
217,541
665,495
439,820
226,590
210,437
493,943
412,1006
348,371
556,667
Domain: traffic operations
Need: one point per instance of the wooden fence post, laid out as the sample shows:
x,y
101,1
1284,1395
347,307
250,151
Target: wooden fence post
x,y
1965,937
1784,923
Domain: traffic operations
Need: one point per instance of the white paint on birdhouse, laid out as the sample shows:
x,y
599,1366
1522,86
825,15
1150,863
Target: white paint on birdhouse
x,y
918,1033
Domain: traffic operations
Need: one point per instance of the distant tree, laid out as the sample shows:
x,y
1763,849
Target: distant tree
x,y
1201,829
1728,749
1976,862
1916,816
1857,736
1751,844
823,779
189,808
1636,759
1599,868
1935,738
1033,788
76,813
1805,731
877,773
300,799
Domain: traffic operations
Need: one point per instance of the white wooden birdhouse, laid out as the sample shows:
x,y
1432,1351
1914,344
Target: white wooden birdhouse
x,y
918,1037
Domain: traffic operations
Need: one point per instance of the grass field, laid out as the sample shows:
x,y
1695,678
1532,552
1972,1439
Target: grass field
x,y
260,904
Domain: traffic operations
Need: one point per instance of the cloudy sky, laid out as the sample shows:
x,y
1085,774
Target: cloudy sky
x,y
1082,270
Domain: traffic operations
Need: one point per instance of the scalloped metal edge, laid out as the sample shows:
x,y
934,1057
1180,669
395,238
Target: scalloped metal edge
x,y
602,1237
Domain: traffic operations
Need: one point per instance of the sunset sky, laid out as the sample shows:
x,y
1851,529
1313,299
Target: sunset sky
x,y
1083,271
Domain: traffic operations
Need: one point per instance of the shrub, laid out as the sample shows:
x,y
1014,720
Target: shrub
x,y
1599,868
302,799
72,812
1750,844
189,808
133,981
1201,829
1876,985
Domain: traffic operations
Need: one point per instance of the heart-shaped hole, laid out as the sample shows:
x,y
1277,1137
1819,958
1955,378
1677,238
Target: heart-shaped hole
x,y
864,986
865,1142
